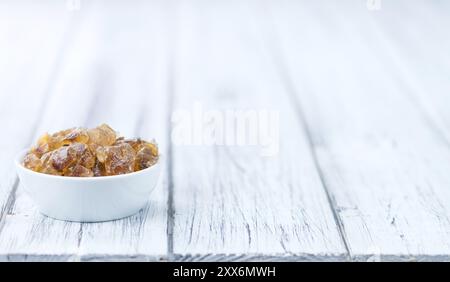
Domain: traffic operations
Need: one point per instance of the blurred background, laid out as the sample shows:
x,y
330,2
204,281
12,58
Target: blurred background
x,y
319,56
362,89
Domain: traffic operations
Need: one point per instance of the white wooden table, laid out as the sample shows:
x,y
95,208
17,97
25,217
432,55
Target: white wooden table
x,y
363,170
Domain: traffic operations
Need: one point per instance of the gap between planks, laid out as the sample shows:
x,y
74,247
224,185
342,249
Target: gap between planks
x,y
278,60
358,257
71,29
171,88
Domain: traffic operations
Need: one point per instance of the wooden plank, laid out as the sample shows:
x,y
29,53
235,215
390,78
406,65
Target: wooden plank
x,y
21,78
110,74
231,202
26,234
138,58
382,162
33,39
417,47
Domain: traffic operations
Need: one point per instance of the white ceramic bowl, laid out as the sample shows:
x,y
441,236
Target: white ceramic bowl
x,y
88,199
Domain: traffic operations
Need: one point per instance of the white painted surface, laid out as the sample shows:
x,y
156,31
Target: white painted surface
x,y
363,101
384,163
99,65
232,201
33,40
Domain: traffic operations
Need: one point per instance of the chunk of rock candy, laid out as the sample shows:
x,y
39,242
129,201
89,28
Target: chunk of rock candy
x,y
47,143
67,157
79,171
118,159
76,135
146,152
102,135
132,142
99,169
138,144
135,142
102,153
82,155
61,159
47,165
146,157
68,136
95,152
43,145
32,161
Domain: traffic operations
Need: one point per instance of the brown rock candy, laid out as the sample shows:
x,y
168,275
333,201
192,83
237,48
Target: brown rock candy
x,y
68,136
117,159
84,152
79,171
61,160
102,135
32,161
75,135
47,165
66,157
146,152
146,156
47,143
99,169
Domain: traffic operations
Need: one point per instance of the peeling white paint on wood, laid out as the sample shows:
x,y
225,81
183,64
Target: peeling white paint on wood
x,y
88,92
362,171
384,164
233,200
26,77
138,107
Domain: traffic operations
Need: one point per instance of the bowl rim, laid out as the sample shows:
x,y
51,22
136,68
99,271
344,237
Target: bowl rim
x,y
19,158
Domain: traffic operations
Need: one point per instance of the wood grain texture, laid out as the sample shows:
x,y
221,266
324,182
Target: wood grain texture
x,y
19,29
27,235
100,82
230,202
138,67
383,163
26,78
362,97
417,47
